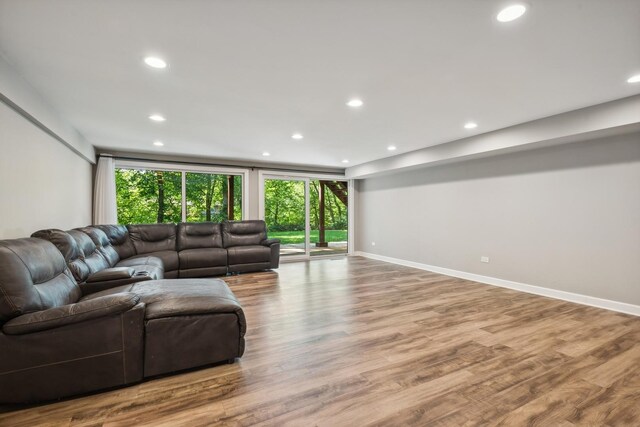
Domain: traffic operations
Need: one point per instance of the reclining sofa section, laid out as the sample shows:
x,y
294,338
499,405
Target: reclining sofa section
x,y
194,249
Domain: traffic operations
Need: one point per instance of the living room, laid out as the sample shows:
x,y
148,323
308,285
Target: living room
x,y
320,213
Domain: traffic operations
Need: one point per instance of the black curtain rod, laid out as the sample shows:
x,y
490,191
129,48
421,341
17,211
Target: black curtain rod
x,y
186,162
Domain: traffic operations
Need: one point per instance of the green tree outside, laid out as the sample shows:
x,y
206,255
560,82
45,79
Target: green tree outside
x,y
155,196
147,196
207,198
284,208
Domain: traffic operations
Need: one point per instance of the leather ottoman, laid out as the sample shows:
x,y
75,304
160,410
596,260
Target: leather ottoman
x,y
188,323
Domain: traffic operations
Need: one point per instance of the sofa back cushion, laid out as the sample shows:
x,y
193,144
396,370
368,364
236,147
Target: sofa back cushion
x,y
118,236
103,246
243,233
92,257
199,235
33,277
148,238
70,250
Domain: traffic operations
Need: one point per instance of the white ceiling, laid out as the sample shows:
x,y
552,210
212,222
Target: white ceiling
x,y
244,75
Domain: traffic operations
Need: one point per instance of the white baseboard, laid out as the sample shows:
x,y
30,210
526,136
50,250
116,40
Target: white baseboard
x,y
537,290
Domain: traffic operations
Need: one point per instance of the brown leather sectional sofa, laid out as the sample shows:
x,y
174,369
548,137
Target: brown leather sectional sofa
x,y
192,249
92,308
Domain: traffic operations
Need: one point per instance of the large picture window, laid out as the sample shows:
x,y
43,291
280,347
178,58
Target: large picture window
x,y
156,195
148,196
213,197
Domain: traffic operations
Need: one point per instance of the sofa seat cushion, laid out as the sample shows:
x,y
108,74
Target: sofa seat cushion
x,y
181,297
202,258
169,259
248,254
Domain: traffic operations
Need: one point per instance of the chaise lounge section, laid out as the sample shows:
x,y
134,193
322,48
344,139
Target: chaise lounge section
x,y
58,341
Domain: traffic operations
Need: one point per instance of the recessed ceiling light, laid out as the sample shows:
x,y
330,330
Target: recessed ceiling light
x,y
511,13
470,125
634,79
345,161
157,118
297,136
355,103
155,62
391,148
158,143
266,154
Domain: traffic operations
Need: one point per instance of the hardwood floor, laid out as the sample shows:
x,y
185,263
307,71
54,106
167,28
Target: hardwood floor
x,y
355,342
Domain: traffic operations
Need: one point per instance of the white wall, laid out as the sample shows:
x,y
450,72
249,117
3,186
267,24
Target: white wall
x,y
564,217
43,184
19,92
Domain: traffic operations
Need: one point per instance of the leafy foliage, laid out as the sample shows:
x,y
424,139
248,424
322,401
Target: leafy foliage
x,y
154,196
284,206
147,196
207,198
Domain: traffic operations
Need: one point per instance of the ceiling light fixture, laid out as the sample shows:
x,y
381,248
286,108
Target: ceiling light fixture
x,y
634,79
511,13
297,136
355,103
155,62
470,125
391,148
157,118
345,161
266,154
158,143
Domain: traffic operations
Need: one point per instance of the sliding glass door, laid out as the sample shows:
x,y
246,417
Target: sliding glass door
x,y
310,216
285,212
329,217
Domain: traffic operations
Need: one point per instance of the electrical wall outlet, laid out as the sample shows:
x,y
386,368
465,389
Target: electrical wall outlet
x,y
484,259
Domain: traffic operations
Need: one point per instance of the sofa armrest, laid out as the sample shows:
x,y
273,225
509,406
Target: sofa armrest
x,y
114,273
274,245
269,242
71,313
111,278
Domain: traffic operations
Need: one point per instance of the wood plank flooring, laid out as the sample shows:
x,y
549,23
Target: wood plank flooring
x,y
357,342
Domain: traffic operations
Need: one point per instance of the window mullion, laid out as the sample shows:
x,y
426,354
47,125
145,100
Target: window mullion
x,y
184,197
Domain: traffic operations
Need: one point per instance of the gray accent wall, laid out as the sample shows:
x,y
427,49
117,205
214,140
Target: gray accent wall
x,y
565,217
43,183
